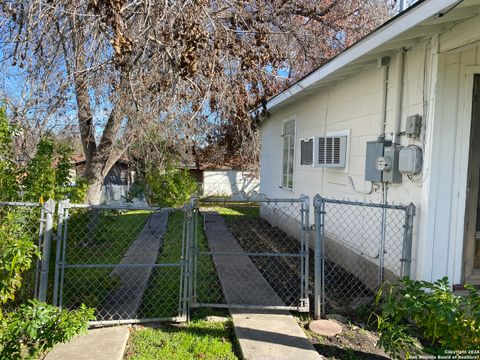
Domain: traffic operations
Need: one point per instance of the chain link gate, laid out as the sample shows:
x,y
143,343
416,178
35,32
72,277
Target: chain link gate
x,y
358,246
250,253
126,262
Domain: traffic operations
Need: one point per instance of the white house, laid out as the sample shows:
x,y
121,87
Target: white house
x,y
421,70
227,182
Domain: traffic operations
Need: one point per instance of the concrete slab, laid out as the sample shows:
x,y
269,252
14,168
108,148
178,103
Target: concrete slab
x,y
99,344
241,281
275,335
262,334
124,302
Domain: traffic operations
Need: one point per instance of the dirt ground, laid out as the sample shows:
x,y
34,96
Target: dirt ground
x,y
354,343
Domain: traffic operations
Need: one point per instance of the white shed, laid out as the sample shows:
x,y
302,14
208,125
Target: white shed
x,y
420,68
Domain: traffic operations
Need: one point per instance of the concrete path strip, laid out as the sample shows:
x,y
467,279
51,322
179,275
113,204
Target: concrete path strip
x,y
276,335
241,281
99,344
262,334
124,302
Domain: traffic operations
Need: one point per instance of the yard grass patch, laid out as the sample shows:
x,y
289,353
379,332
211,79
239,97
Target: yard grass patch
x,y
234,211
199,339
161,298
97,238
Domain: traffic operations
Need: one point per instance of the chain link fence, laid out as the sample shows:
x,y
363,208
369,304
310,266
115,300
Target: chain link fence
x,y
21,221
127,263
251,253
358,246
147,264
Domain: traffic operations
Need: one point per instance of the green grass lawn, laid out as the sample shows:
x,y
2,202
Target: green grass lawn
x,y
161,299
106,242
101,238
199,339
231,211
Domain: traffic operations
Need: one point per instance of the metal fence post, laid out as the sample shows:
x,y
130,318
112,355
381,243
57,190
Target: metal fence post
x,y
305,249
318,276
58,250
407,241
194,252
37,264
47,243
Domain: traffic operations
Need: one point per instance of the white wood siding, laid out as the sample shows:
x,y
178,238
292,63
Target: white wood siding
x,y
228,182
434,86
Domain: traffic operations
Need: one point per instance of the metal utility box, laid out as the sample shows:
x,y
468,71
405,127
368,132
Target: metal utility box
x,y
413,126
374,151
392,175
410,160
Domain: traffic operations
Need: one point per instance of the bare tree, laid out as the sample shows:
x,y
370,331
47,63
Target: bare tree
x,y
190,66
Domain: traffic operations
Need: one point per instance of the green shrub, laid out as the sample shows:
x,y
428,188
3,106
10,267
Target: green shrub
x,y
47,175
17,251
171,187
35,327
429,312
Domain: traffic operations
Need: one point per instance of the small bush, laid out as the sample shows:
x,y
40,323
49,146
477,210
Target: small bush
x,y
171,187
17,252
35,327
429,312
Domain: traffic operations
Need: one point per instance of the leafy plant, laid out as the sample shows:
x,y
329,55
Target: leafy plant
x,y
170,187
137,190
47,175
17,251
35,327
430,312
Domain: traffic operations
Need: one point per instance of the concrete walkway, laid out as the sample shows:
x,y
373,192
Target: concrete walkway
x,y
124,302
99,344
262,335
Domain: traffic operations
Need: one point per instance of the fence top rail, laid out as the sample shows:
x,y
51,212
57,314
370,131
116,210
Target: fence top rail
x,y
250,200
366,204
120,207
14,203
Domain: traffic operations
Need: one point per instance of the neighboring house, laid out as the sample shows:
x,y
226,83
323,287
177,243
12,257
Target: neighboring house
x,y
115,185
415,82
223,180
227,182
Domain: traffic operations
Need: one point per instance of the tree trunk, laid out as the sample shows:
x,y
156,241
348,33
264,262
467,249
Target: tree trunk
x,y
94,191
99,166
95,172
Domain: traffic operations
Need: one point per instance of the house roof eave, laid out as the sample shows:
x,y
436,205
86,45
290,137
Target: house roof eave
x,y
375,43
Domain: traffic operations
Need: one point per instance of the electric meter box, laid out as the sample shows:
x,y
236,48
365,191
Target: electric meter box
x,y
374,151
392,174
410,160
